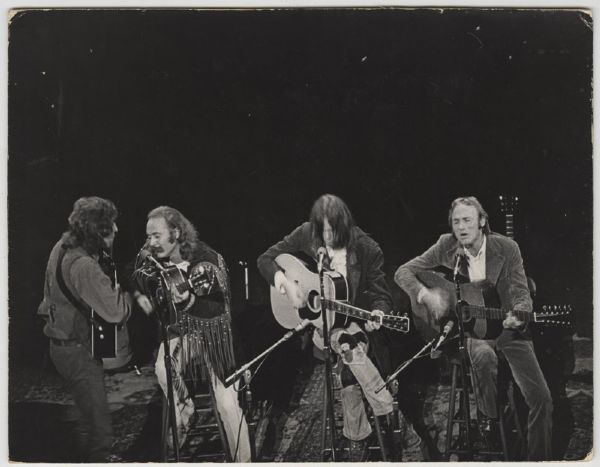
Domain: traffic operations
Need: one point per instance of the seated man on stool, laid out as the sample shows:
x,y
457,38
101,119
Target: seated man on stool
x,y
498,259
201,344
355,255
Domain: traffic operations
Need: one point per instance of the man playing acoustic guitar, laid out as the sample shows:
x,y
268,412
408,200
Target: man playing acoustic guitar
x,y
496,259
74,283
356,256
201,341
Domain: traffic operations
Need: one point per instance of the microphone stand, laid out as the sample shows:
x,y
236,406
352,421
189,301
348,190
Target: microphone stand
x,y
164,320
464,361
245,371
404,365
244,264
246,366
328,367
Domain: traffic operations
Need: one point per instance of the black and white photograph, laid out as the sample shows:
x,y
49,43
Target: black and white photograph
x,y
300,234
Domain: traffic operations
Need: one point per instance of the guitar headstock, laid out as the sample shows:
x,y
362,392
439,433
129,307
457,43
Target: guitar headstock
x,y
202,278
555,315
508,204
397,323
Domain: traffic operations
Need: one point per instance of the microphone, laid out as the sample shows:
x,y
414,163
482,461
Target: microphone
x,y
142,258
456,265
298,328
321,252
302,325
154,260
442,337
143,254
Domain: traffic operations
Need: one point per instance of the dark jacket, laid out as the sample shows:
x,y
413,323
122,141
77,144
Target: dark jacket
x,y
503,268
364,261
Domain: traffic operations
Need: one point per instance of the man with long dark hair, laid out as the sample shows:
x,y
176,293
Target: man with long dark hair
x,y
355,255
74,262
201,342
497,259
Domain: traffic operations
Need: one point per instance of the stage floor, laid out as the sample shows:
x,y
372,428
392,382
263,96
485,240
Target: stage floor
x,y
42,418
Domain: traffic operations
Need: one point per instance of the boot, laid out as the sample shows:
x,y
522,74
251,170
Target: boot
x,y
358,451
388,426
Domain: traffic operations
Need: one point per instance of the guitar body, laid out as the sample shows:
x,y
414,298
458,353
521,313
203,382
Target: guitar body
x,y
480,293
110,341
335,285
104,337
335,300
124,353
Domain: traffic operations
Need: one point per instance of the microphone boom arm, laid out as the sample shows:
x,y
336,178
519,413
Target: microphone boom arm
x,y
232,378
404,365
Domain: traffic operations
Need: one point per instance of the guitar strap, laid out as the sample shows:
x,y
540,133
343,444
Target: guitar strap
x,y
83,308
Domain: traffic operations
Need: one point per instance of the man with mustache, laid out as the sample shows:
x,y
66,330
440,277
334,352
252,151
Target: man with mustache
x,y
498,259
194,349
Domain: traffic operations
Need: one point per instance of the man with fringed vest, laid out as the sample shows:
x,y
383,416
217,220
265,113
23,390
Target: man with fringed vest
x,y
200,337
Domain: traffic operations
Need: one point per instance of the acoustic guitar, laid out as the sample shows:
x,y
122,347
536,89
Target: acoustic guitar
x,y
481,313
110,341
336,299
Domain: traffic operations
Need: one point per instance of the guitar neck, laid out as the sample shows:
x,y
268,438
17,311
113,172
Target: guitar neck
x,y
482,312
510,226
348,310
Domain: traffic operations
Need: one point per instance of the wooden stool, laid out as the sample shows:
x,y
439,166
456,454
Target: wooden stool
x,y
507,416
379,431
206,439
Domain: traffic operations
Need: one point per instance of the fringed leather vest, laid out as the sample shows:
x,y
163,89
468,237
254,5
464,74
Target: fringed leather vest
x,y
207,324
205,327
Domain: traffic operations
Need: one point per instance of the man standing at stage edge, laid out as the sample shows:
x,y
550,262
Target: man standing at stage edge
x,y
75,282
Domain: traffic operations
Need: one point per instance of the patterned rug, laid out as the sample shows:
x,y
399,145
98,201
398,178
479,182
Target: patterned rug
x,y
42,417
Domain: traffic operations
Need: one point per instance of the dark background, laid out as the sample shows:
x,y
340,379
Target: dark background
x,y
241,119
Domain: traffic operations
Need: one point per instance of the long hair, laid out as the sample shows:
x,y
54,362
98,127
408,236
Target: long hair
x,y
92,219
188,236
339,217
471,201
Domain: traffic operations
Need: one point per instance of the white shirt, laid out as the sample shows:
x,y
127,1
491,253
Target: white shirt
x,y
338,260
477,263
184,265
476,267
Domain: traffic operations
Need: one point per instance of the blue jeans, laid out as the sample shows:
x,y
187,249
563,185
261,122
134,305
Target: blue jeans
x,y
526,370
356,423
85,381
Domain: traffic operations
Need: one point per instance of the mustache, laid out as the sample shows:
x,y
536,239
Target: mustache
x,y
148,250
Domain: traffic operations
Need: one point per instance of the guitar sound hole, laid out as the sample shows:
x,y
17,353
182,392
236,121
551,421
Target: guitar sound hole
x,y
314,301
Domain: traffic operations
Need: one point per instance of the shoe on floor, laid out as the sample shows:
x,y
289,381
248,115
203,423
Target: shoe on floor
x,y
358,450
